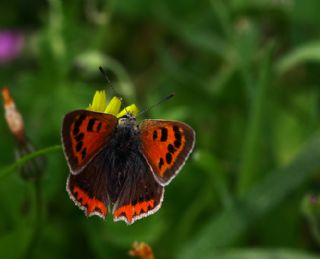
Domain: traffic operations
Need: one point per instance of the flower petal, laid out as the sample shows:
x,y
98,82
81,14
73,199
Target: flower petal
x,y
11,45
132,109
114,106
99,102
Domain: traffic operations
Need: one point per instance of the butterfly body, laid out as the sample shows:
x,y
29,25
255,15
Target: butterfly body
x,y
117,163
121,158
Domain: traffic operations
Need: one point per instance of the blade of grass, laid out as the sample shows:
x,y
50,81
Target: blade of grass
x,y
249,168
224,229
197,37
309,52
222,12
215,177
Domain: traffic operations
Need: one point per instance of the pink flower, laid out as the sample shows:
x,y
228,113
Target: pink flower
x,y
11,45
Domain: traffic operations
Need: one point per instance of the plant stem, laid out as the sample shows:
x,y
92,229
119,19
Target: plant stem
x,y
20,162
38,217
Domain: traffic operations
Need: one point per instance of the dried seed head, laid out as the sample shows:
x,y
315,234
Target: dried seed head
x,y
13,116
34,168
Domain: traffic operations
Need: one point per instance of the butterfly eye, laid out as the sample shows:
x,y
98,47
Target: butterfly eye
x,y
127,120
128,117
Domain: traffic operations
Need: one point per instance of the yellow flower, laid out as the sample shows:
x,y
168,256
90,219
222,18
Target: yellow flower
x,y
99,104
113,106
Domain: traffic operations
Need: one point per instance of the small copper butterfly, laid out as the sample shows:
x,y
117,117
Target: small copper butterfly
x,y
115,162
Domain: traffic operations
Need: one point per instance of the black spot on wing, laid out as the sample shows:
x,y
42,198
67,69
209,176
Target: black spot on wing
x,y
177,133
178,136
79,146
79,137
91,124
168,158
155,135
171,148
161,163
78,123
177,143
164,134
76,130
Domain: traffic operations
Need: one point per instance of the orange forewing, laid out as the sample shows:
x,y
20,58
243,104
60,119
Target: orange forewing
x,y
84,134
166,145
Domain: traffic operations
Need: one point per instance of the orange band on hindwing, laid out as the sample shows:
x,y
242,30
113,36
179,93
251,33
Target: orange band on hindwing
x,y
91,204
131,211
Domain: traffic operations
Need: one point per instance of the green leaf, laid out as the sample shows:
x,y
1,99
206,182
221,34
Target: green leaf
x,y
15,243
309,52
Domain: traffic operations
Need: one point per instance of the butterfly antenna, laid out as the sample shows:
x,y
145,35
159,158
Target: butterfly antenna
x,y
108,80
158,103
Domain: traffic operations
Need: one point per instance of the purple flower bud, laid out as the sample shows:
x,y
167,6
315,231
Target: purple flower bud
x,y
11,45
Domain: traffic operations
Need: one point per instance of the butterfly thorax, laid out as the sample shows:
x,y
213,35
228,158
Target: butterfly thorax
x,y
125,137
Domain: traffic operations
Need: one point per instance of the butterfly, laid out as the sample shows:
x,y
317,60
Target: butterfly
x,y
116,163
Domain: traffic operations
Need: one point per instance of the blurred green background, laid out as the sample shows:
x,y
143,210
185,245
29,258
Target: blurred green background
x,y
246,78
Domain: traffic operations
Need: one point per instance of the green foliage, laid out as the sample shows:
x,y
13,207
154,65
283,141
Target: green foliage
x,y
246,77
276,186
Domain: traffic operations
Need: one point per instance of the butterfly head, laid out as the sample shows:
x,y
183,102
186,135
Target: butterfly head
x,y
127,120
